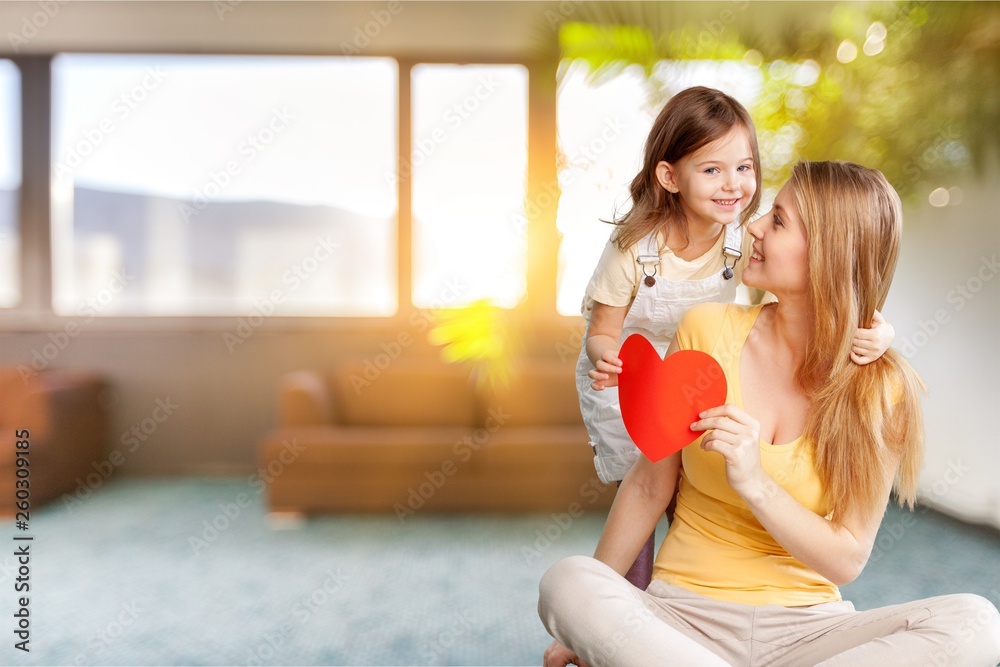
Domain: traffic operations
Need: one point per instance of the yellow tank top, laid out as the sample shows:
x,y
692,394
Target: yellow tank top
x,y
715,545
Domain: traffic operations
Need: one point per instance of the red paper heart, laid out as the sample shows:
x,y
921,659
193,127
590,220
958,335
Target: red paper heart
x,y
661,398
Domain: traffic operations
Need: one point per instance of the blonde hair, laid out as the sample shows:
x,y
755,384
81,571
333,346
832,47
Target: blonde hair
x,y
865,421
691,119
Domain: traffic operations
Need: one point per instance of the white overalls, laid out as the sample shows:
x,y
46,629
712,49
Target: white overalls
x,y
655,313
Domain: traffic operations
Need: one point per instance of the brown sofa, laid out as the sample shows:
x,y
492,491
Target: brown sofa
x,y
64,416
417,436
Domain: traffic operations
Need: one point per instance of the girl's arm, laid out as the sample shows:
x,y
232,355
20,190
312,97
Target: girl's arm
x,y
870,344
604,335
640,502
838,553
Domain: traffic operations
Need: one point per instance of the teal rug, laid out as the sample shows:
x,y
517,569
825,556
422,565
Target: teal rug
x,y
190,572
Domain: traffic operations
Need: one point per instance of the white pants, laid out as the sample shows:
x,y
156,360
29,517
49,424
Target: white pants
x,y
594,611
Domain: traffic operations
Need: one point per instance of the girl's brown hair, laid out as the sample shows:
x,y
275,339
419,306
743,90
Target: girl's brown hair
x,y
865,421
691,119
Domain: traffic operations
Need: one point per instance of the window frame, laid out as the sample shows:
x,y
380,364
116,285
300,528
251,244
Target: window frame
x,y
35,310
18,206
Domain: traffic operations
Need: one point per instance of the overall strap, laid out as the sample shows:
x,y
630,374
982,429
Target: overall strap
x,y
652,251
650,260
734,240
731,248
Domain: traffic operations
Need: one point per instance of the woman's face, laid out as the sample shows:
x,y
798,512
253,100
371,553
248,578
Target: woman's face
x,y
780,259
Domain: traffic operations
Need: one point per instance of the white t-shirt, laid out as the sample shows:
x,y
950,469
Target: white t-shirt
x,y
618,273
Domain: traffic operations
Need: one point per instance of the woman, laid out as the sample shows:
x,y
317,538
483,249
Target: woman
x,y
780,500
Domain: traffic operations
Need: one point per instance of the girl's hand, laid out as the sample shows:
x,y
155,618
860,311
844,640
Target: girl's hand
x,y
557,655
735,435
606,370
870,344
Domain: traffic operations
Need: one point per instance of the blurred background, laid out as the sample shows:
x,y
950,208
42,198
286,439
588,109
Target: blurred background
x,y
197,198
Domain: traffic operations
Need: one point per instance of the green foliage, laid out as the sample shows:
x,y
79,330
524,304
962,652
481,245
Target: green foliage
x,y
919,99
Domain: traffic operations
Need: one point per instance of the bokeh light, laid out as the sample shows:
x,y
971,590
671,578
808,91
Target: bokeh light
x,y
847,51
939,197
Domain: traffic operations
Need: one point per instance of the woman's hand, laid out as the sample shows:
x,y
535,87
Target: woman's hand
x,y
557,655
870,344
735,435
606,370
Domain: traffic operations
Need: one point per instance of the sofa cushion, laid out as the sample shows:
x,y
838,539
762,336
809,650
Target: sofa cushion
x,y
405,471
372,447
407,392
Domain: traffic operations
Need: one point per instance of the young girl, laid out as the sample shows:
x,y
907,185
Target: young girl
x,y
780,500
680,244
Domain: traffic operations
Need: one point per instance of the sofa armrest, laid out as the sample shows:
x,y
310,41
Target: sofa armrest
x,y
65,413
304,400
63,410
77,416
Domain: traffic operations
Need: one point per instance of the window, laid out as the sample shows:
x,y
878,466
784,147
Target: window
x,y
214,185
10,183
469,166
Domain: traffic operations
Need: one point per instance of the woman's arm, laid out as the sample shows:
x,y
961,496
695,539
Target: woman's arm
x,y
604,335
837,552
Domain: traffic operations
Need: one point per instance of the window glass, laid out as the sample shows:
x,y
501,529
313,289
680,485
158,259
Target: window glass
x,y
212,185
469,165
10,183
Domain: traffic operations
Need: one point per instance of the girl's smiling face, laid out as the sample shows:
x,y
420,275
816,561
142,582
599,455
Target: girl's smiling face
x,y
714,183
